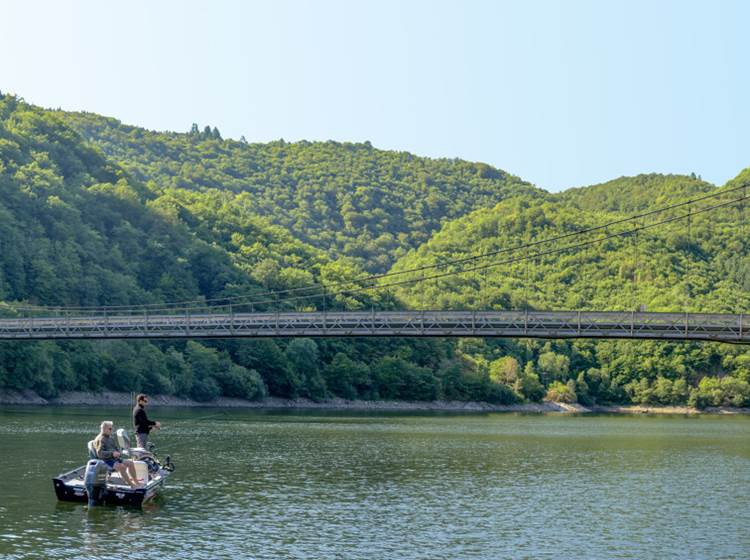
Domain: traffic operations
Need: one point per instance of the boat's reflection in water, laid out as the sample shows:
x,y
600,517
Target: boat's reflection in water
x,y
116,529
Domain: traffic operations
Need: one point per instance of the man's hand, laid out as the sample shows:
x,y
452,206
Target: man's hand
x,y
157,425
115,454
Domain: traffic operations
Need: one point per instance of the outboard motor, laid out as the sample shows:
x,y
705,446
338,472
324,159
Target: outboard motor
x,y
95,480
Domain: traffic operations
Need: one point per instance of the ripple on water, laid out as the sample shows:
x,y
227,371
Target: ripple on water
x,y
489,486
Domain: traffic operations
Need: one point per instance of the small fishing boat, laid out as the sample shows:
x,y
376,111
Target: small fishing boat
x,y
97,484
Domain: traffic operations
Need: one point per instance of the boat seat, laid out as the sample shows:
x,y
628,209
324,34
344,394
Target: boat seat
x,y
135,453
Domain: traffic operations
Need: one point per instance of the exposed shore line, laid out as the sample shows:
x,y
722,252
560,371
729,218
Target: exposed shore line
x,y
111,398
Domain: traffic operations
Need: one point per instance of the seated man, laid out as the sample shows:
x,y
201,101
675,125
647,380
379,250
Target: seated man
x,y
108,451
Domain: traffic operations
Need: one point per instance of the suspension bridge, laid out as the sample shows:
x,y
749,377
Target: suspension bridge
x,y
516,324
221,319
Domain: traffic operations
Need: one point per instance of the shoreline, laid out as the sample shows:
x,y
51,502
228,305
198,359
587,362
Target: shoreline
x,y
112,398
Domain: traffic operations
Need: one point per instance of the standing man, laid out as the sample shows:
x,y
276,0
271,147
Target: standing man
x,y
141,423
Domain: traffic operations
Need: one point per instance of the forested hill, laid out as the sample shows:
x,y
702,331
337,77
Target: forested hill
x,y
79,228
93,212
347,199
672,267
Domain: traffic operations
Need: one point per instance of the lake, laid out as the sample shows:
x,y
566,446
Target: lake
x,y
256,484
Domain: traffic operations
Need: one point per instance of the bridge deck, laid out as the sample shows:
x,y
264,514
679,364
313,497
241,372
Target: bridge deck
x,y
507,324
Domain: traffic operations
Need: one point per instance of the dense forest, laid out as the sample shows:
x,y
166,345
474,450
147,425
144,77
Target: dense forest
x,y
346,199
94,212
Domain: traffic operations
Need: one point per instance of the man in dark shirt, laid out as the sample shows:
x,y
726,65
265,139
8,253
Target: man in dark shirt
x,y
141,423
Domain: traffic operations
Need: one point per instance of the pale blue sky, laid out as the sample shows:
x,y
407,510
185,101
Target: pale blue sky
x,y
562,94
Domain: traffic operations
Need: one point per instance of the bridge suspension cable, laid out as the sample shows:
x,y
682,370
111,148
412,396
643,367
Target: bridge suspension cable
x,y
527,257
272,297
522,258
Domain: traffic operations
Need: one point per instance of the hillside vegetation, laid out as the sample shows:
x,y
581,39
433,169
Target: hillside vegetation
x,y
700,265
94,212
80,230
346,199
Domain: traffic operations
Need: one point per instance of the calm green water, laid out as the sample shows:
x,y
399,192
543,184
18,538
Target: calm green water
x,y
336,485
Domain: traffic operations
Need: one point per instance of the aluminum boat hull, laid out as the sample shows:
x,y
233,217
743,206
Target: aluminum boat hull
x,y
69,487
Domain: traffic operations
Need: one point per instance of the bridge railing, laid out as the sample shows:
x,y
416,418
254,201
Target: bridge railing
x,y
538,324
